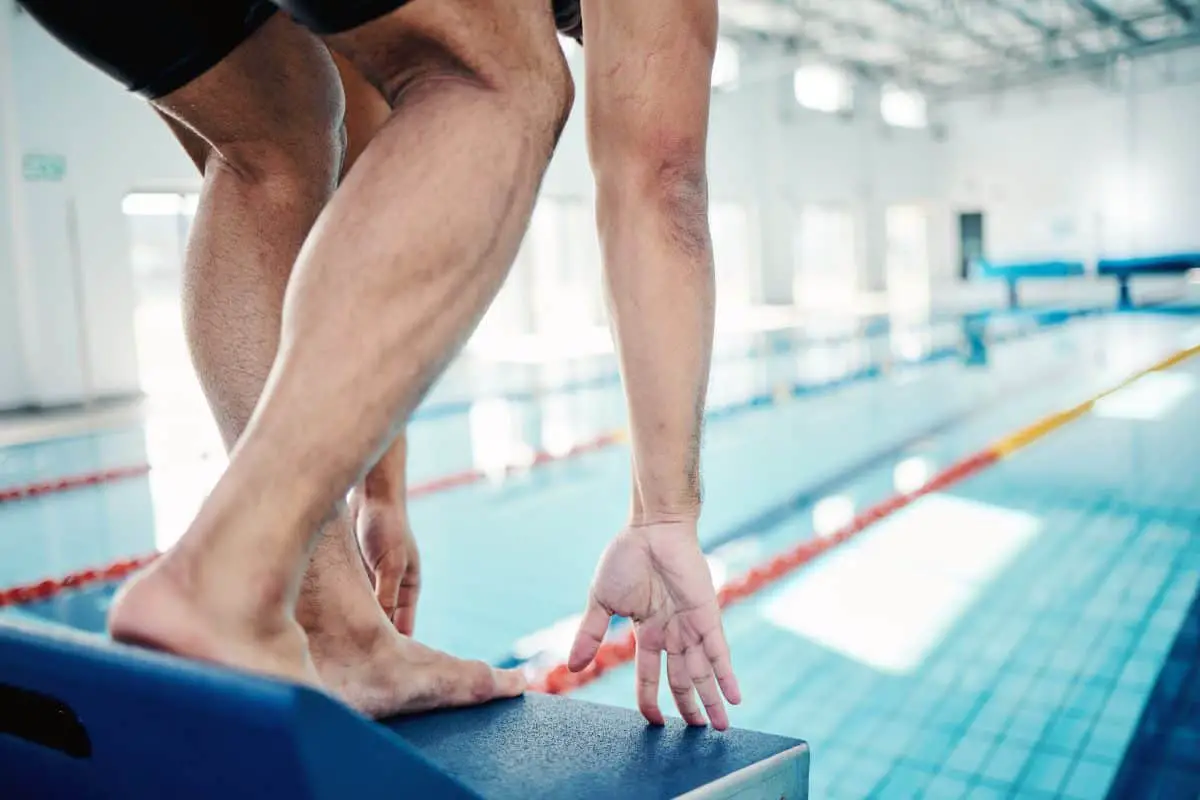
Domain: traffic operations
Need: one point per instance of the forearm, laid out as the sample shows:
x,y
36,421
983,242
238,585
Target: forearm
x,y
657,251
648,67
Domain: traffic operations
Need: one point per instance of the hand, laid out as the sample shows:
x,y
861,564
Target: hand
x,y
656,575
389,552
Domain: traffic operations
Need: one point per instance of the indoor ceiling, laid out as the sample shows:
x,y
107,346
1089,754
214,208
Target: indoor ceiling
x,y
949,47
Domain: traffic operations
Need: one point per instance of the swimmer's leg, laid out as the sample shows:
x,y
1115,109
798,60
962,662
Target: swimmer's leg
x,y
397,271
240,254
266,179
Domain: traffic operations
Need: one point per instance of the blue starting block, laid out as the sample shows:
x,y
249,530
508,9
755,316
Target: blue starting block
x,y
1123,269
1013,273
82,717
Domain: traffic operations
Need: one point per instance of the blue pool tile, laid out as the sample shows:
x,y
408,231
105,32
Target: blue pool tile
x,y
969,755
1027,726
1108,741
946,787
1066,734
1045,772
905,780
930,748
1089,780
1006,762
864,774
1171,783
1139,674
1183,745
1123,706
988,791
1087,700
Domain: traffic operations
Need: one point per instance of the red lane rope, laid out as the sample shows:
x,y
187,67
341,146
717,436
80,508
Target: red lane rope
x,y
45,589
560,680
62,484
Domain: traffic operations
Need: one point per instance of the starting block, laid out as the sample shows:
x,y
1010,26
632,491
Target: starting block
x,y
83,717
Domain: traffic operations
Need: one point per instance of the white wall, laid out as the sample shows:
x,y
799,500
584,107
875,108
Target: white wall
x,y
14,386
1083,168
770,151
78,240
766,154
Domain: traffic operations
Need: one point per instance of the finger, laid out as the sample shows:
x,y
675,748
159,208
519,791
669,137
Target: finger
x,y
649,668
681,688
592,628
717,652
701,673
405,618
389,573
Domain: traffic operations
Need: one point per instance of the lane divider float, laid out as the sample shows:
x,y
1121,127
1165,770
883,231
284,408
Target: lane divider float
x,y
777,395
45,589
558,679
118,570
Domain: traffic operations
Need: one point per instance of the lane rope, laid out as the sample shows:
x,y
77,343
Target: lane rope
x,y
81,579
111,475
558,679
45,589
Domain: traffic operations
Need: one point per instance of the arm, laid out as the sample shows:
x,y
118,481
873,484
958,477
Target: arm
x,y
648,70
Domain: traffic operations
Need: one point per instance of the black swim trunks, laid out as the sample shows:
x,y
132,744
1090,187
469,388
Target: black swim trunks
x,y
569,18
154,47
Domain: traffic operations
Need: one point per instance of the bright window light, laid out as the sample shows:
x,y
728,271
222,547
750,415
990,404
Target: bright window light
x,y
831,514
903,108
822,88
1148,398
888,598
727,65
911,474
152,204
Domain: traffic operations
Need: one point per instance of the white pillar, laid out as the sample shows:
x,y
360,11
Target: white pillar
x,y
776,223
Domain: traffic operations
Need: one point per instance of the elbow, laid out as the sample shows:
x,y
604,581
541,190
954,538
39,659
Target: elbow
x,y
667,181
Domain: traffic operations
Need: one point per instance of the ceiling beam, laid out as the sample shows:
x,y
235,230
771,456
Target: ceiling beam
x,y
1106,17
1184,12
986,82
878,73
1049,34
923,15
806,10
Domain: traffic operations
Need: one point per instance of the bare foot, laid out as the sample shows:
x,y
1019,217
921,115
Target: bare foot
x,y
157,609
361,656
384,673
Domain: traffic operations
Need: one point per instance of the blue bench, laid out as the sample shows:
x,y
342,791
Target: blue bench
x,y
1124,269
82,717
1015,272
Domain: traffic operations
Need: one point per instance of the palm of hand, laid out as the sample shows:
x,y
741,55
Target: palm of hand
x,y
657,577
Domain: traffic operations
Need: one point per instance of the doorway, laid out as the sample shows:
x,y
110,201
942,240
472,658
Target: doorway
x,y
970,241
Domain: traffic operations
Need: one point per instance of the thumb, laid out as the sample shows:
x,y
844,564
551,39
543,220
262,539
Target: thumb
x,y
592,628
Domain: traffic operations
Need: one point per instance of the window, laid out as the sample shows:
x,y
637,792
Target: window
x,y
736,271
907,257
825,258
822,88
902,108
727,65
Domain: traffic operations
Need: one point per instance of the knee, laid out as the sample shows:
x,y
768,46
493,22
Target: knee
x,y
520,64
307,161
297,143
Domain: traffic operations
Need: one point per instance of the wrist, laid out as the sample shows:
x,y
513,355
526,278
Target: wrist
x,y
662,511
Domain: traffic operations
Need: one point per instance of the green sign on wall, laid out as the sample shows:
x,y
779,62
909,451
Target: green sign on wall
x,y
44,167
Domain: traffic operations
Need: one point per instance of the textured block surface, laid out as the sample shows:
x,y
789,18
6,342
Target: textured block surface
x,y
81,717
